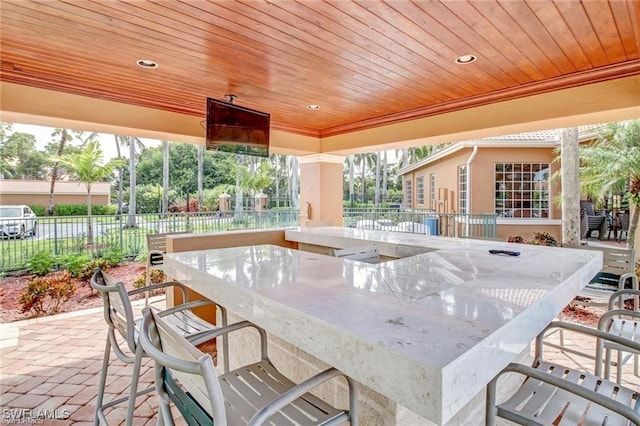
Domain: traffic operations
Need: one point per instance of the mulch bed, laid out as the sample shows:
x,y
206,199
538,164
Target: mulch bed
x,y
84,297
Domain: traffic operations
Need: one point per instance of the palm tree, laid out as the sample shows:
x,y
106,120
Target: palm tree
x,y
55,170
351,179
364,161
65,136
377,191
200,187
132,143
165,177
239,194
293,181
419,152
385,173
120,174
87,167
611,165
131,222
280,165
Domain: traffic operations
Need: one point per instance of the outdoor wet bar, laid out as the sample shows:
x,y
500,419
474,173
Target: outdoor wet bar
x,y
423,330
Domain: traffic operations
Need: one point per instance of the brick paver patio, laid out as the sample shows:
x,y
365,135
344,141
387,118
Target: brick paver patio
x,y
50,366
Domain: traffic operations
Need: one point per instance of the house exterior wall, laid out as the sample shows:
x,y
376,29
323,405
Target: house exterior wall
x,y
43,200
36,193
482,187
446,187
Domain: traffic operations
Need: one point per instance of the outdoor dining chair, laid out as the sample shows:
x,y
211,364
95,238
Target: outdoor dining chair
x,y
624,323
624,225
124,330
254,394
554,394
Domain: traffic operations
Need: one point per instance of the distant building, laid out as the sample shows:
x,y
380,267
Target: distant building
x,y
507,175
36,192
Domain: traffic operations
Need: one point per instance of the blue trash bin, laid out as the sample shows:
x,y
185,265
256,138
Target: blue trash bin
x,y
431,223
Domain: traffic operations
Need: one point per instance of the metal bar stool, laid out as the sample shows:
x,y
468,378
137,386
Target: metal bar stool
x,y
254,394
118,314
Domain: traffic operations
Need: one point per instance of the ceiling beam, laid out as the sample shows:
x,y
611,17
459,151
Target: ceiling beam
x,y
606,101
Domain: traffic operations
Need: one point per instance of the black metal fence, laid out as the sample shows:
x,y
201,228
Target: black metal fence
x,y
62,235
95,236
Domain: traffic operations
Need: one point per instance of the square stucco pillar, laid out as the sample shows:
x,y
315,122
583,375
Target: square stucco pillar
x,y
321,179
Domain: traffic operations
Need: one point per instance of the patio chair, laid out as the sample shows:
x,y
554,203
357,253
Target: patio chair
x,y
624,323
624,225
594,220
124,331
254,394
368,253
617,273
554,394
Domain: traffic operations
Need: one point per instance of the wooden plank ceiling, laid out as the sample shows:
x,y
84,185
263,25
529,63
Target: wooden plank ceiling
x,y
364,62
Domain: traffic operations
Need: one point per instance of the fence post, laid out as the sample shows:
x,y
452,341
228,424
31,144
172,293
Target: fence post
x,y
55,236
121,236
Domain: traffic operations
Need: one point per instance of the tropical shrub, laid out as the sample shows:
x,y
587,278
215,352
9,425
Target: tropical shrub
x,y
87,271
47,295
157,277
114,256
543,239
41,263
539,239
516,239
74,263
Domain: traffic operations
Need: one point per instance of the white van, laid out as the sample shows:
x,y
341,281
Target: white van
x,y
17,221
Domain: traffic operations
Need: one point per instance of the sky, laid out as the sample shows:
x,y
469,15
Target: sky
x,y
107,141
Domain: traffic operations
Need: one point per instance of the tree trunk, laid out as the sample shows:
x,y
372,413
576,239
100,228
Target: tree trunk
x,y
54,171
200,189
277,182
165,177
570,187
89,222
377,193
293,182
239,194
351,179
633,225
384,177
120,176
364,186
132,184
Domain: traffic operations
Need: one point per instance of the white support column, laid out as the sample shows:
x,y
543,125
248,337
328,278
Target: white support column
x,y
570,187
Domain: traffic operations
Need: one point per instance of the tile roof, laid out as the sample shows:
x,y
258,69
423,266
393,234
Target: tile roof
x,y
539,138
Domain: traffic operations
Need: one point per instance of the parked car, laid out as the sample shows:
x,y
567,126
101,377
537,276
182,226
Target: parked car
x,y
17,221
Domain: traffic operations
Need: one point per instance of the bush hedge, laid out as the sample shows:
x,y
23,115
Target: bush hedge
x,y
81,210
39,210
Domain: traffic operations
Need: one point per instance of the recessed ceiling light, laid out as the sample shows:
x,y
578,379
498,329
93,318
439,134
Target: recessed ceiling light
x,y
465,59
147,63
313,107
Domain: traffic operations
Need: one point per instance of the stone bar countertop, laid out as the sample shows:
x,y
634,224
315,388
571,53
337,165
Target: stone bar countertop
x,y
428,331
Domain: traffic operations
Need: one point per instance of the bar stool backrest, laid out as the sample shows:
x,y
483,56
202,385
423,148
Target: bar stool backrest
x,y
117,309
184,364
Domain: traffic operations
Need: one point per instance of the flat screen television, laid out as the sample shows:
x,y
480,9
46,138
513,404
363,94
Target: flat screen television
x,y
235,129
